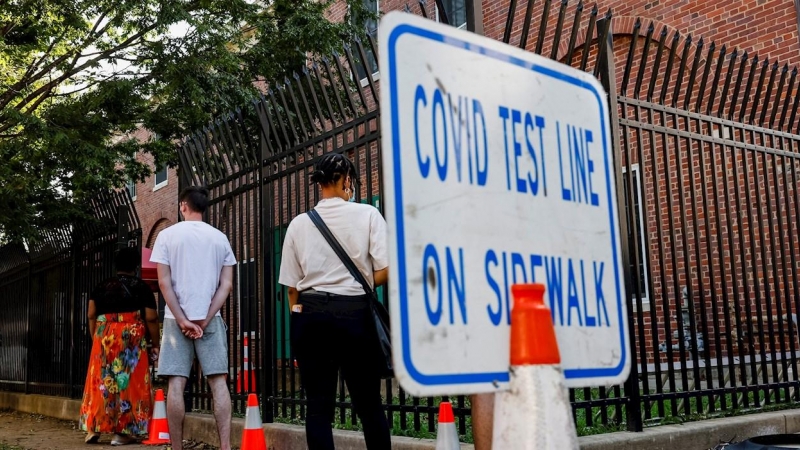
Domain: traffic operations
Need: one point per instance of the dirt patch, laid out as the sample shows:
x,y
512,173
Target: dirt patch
x,y
37,432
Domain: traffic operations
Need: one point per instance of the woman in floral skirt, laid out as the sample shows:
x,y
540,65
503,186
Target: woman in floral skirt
x,y
122,315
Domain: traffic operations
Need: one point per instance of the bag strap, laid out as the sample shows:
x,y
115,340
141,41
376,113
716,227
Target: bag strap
x,y
348,262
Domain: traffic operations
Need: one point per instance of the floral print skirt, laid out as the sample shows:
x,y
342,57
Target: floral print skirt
x,y
117,395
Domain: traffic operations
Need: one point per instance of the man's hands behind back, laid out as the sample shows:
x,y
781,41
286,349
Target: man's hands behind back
x,y
190,329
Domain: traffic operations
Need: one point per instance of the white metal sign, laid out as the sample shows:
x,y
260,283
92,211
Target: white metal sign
x,y
498,170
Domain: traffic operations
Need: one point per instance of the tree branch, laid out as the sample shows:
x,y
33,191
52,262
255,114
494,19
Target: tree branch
x,y
100,19
35,63
38,102
10,93
130,47
74,70
6,29
130,60
89,86
91,39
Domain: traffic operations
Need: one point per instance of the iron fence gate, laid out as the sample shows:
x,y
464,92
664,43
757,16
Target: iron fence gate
x,y
707,148
44,293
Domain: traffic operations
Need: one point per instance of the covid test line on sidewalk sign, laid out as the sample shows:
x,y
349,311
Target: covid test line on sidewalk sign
x,y
498,170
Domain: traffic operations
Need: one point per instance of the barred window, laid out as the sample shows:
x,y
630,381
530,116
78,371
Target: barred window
x,y
456,11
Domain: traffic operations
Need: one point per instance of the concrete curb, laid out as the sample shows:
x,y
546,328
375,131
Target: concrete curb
x,y
700,435
58,407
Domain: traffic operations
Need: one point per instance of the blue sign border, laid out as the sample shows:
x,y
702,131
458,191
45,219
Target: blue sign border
x,y
472,378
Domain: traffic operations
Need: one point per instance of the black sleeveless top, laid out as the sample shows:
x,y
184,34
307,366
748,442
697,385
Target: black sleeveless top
x,y
121,294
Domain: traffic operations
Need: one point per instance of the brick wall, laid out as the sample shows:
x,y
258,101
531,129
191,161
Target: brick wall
x,y
768,27
155,207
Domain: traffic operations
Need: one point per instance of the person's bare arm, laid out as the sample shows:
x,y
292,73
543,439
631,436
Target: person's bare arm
x,y
223,290
294,296
165,284
152,326
377,248
381,276
91,314
151,316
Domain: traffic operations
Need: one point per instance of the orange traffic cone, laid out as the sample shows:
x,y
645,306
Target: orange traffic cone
x,y
534,412
247,378
446,434
159,429
253,434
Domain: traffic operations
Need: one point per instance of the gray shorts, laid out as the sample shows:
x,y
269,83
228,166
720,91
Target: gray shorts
x,y
178,351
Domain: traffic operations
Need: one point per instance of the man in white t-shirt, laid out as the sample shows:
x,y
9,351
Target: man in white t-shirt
x,y
195,274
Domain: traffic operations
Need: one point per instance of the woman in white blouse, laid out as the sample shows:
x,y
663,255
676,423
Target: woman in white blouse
x,y
330,320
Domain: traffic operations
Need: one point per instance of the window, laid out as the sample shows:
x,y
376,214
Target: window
x,y
131,187
372,30
636,233
161,178
456,11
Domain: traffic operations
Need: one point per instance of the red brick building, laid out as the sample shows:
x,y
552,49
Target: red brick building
x,y
156,198
766,27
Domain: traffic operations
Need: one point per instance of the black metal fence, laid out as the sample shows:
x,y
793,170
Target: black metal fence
x,y
710,142
707,159
44,293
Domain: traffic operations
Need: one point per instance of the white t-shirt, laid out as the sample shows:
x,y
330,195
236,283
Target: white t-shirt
x,y
195,253
308,261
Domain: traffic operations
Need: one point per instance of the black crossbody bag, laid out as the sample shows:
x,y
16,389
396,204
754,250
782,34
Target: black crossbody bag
x,y
379,314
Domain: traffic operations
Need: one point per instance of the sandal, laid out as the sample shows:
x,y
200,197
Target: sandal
x,y
91,438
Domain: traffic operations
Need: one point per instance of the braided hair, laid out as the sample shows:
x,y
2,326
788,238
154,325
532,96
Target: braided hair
x,y
331,168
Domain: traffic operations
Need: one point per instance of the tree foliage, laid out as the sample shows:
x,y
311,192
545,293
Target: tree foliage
x,y
76,75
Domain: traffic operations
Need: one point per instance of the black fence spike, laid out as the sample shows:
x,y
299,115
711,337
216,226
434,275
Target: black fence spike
x,y
512,10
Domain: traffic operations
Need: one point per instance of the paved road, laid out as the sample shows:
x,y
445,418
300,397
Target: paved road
x,y
36,432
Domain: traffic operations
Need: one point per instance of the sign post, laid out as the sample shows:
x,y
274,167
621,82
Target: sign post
x,y
498,170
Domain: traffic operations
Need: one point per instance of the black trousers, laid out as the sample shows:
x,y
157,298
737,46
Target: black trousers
x,y
333,333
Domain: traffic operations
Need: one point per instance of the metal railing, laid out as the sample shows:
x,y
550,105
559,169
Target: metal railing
x,y
706,157
44,294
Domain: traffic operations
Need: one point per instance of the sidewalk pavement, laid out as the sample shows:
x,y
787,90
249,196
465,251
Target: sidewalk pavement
x,y
34,431
701,435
